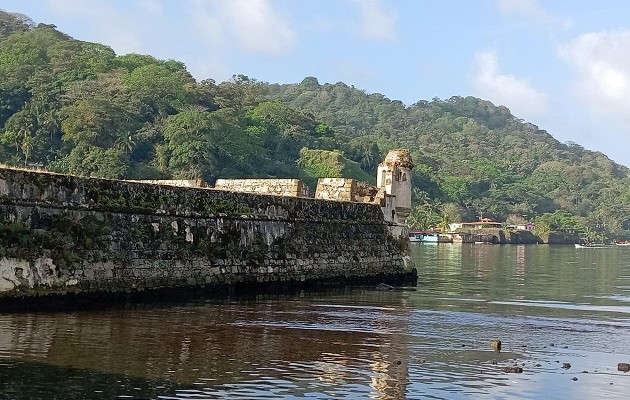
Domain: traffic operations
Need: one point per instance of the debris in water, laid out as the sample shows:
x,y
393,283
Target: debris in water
x,y
496,345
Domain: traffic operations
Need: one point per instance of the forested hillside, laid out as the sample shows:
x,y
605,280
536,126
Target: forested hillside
x,y
77,107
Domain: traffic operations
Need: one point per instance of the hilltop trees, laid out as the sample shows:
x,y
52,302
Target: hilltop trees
x,y
475,155
77,107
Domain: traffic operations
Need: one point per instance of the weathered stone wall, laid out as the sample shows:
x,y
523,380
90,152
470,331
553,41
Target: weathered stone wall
x,y
522,237
62,234
345,189
496,235
556,237
340,189
276,187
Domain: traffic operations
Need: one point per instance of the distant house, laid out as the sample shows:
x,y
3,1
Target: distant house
x,y
483,223
528,226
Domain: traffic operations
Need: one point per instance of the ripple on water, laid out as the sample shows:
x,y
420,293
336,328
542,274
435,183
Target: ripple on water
x,y
567,306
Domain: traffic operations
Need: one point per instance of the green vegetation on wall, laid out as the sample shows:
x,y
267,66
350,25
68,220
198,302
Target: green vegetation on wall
x,y
66,239
329,164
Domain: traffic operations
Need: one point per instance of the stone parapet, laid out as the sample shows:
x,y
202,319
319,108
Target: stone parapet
x,y
345,189
276,187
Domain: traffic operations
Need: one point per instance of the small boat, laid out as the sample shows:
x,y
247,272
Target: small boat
x,y
588,246
623,243
428,237
423,237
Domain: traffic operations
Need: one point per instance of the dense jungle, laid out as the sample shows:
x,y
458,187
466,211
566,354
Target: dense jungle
x,y
78,108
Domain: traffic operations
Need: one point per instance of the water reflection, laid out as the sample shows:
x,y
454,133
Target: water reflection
x,y
547,305
221,343
520,262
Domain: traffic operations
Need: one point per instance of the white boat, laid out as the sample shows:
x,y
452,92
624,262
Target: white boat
x,y
423,237
622,243
428,237
588,246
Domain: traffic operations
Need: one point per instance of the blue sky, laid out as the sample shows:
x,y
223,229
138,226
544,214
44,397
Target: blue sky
x,y
562,65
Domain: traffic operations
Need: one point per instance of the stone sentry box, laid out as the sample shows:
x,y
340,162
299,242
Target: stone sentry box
x,y
64,235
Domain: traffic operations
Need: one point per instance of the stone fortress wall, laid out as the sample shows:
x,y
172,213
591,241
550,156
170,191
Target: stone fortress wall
x,y
392,191
63,235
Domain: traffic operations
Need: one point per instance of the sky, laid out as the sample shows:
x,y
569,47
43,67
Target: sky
x,y
561,65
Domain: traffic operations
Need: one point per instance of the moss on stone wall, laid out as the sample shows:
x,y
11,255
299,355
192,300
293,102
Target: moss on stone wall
x,y
97,234
65,239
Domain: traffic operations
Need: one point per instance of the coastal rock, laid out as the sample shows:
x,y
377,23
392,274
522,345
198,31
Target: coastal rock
x,y
496,345
513,370
566,365
625,367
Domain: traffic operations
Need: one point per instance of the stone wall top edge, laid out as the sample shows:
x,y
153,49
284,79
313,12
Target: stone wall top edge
x,y
46,181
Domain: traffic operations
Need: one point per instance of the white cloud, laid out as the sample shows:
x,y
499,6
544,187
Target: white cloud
x,y
377,22
153,7
602,65
533,11
517,94
253,25
109,25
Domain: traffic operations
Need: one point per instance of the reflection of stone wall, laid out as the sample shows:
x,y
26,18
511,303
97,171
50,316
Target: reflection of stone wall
x,y
63,234
213,341
277,187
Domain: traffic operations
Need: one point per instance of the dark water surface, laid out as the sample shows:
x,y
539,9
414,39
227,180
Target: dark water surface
x,y
549,305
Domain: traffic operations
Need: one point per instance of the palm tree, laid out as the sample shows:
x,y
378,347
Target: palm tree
x,y
445,223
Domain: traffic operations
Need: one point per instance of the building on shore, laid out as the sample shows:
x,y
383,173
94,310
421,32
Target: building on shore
x,y
481,224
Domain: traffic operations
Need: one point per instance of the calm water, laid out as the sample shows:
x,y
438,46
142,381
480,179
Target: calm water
x,y
548,305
